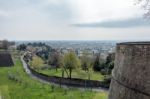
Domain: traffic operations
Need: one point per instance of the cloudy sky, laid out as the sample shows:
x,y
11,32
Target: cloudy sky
x,y
73,20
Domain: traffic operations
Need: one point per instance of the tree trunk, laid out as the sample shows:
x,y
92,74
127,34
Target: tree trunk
x,y
66,73
70,71
62,73
56,68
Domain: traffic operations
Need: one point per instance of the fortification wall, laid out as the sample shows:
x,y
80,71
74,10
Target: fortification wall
x,y
131,74
5,59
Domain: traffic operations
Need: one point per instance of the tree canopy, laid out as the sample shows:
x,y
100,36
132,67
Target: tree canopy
x,y
71,62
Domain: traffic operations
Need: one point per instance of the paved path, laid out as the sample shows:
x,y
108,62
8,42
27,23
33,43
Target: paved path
x,y
0,95
99,89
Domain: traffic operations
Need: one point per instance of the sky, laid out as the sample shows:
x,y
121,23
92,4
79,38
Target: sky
x,y
73,20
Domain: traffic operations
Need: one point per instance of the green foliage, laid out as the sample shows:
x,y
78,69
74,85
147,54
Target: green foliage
x,y
52,88
106,82
85,61
87,64
44,49
21,47
14,77
37,62
43,55
97,64
108,65
104,67
71,62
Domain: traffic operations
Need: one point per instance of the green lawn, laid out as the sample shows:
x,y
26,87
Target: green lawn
x,y
4,93
75,74
18,85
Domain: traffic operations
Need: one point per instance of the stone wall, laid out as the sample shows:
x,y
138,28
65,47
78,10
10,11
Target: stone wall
x,y
69,82
131,74
6,59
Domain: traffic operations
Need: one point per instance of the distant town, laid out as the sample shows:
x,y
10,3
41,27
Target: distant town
x,y
79,47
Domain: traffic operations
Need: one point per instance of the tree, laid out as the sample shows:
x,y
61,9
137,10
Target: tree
x,y
146,5
22,47
70,62
5,44
36,62
96,65
54,59
109,64
43,54
86,64
85,61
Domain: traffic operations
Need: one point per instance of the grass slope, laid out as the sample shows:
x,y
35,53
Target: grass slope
x,y
4,93
16,84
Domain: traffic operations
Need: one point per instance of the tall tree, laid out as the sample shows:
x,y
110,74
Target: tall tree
x,y
71,62
54,59
109,64
85,61
96,65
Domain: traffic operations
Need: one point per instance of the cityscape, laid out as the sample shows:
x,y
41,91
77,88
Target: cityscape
x,y
74,49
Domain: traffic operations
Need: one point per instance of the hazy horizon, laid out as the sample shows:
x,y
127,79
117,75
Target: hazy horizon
x,y
125,40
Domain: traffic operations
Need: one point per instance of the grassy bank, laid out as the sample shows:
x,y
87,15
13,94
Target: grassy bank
x,y
16,84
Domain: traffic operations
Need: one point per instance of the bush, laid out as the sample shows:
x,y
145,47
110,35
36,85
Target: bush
x,y
13,77
107,81
103,71
52,88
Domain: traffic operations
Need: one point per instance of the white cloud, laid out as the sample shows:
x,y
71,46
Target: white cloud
x,y
99,10
55,2
4,13
50,19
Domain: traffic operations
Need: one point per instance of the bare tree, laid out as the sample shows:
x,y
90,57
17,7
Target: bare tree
x,y
145,5
5,44
54,59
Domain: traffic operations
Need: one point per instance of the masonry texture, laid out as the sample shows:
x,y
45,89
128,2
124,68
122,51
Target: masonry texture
x,y
131,74
5,59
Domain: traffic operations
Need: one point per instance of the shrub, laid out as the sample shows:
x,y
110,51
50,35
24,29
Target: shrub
x,y
52,88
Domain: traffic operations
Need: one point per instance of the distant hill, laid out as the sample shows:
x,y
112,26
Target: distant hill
x,y
5,59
